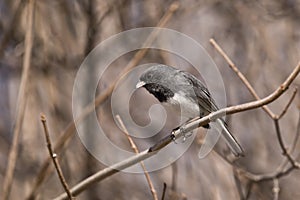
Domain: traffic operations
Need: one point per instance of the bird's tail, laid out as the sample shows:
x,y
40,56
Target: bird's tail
x,y
230,140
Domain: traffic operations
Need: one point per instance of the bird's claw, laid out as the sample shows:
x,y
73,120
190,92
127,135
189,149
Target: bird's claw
x,y
185,136
173,136
181,130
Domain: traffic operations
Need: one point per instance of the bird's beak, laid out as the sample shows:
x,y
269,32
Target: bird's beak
x,y
140,84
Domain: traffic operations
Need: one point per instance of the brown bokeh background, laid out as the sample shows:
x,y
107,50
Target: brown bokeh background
x,y
261,37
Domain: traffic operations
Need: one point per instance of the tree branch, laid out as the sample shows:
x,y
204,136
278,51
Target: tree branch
x,y
134,147
53,156
21,102
240,75
275,188
164,192
275,118
281,143
288,104
179,133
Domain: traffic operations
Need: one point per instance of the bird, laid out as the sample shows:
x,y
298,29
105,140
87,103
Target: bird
x,y
185,94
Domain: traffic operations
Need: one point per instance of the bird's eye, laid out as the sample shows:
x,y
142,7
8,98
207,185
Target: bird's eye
x,y
149,76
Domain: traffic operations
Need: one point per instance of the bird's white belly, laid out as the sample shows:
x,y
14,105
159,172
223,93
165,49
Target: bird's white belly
x,y
185,106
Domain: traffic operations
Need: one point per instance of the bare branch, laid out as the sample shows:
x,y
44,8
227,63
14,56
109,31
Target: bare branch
x,y
83,185
134,147
281,143
164,192
246,106
288,104
249,189
247,84
21,103
125,131
275,118
45,169
240,75
174,176
179,133
275,188
53,156
238,183
292,148
266,177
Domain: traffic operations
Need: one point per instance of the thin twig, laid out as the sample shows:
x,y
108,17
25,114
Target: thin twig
x,y
275,188
107,172
288,104
274,117
134,147
179,133
292,148
281,143
248,190
267,177
125,131
247,84
45,170
257,178
238,183
174,176
21,103
240,75
254,104
164,192
53,156
70,130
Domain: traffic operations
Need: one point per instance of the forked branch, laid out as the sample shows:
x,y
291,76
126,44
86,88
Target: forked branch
x,y
180,132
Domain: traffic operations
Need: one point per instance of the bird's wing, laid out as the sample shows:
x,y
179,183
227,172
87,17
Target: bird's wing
x,y
203,96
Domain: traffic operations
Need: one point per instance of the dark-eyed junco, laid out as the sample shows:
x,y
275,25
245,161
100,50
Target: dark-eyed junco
x,y
186,94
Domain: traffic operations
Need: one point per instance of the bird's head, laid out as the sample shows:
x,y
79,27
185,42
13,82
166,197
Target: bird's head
x,y
157,74
156,80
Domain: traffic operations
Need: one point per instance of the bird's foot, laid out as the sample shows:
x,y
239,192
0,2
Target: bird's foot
x,y
173,136
186,135
181,130
207,126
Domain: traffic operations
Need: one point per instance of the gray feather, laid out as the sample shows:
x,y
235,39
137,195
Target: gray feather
x,y
173,86
230,140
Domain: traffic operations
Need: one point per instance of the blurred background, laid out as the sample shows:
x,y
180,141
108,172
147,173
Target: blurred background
x,y
261,37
